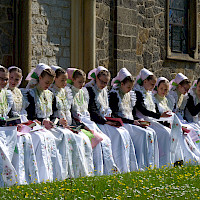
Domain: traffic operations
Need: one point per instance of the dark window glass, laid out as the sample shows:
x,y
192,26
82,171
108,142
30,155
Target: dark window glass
x,y
178,25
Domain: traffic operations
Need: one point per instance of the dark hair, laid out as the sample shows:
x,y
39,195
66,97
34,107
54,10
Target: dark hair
x,y
198,80
59,72
48,72
15,69
128,79
78,73
163,81
185,82
103,73
151,77
3,69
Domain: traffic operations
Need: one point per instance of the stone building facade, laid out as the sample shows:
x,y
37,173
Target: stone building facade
x,y
128,33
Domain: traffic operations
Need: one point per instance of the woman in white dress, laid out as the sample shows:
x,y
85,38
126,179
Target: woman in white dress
x,y
122,102
122,146
181,150
8,135
81,155
24,159
145,108
102,152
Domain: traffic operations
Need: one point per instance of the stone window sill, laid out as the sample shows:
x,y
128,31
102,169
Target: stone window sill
x,y
182,57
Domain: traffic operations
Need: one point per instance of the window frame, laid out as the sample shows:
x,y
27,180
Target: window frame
x,y
192,55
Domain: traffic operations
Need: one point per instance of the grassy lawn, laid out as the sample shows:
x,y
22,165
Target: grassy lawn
x,y
166,183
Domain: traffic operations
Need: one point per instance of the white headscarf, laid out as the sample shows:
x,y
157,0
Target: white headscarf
x,y
33,76
121,75
174,83
144,73
157,83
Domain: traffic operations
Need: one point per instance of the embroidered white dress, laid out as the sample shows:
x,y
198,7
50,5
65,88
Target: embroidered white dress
x,y
77,146
8,141
122,146
179,147
179,106
144,140
102,153
47,155
24,159
163,132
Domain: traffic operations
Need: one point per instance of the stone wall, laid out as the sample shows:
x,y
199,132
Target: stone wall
x,y
51,32
6,32
132,34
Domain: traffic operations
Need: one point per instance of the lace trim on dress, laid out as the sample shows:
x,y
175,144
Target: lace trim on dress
x,y
148,98
126,103
101,100
43,102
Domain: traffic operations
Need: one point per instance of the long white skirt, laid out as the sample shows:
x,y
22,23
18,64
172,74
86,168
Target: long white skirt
x,y
8,141
24,160
75,153
146,145
102,153
122,147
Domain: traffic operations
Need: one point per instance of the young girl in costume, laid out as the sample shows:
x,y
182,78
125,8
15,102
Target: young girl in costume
x,y
181,150
145,108
102,153
8,135
83,165
24,159
179,88
122,102
122,145
40,108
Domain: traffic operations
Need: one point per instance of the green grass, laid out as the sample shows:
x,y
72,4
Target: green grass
x,y
166,183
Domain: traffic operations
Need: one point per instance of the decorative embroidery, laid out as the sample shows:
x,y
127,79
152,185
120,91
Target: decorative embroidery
x,y
162,103
148,98
101,100
3,103
64,100
43,102
126,103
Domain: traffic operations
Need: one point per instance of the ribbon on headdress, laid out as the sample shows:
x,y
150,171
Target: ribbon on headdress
x,y
70,72
144,73
33,76
175,82
94,72
121,75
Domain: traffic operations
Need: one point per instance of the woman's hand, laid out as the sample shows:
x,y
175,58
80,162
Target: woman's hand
x,y
166,114
19,127
136,122
63,122
48,124
37,121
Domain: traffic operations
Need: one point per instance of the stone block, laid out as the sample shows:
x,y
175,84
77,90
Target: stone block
x,y
6,43
66,14
124,15
128,4
103,12
147,59
101,54
100,25
141,9
140,20
52,61
139,59
143,35
156,56
7,27
119,28
157,10
43,60
149,13
130,66
66,52
139,48
149,23
129,30
160,21
64,62
134,43
149,3
3,14
123,42
64,3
